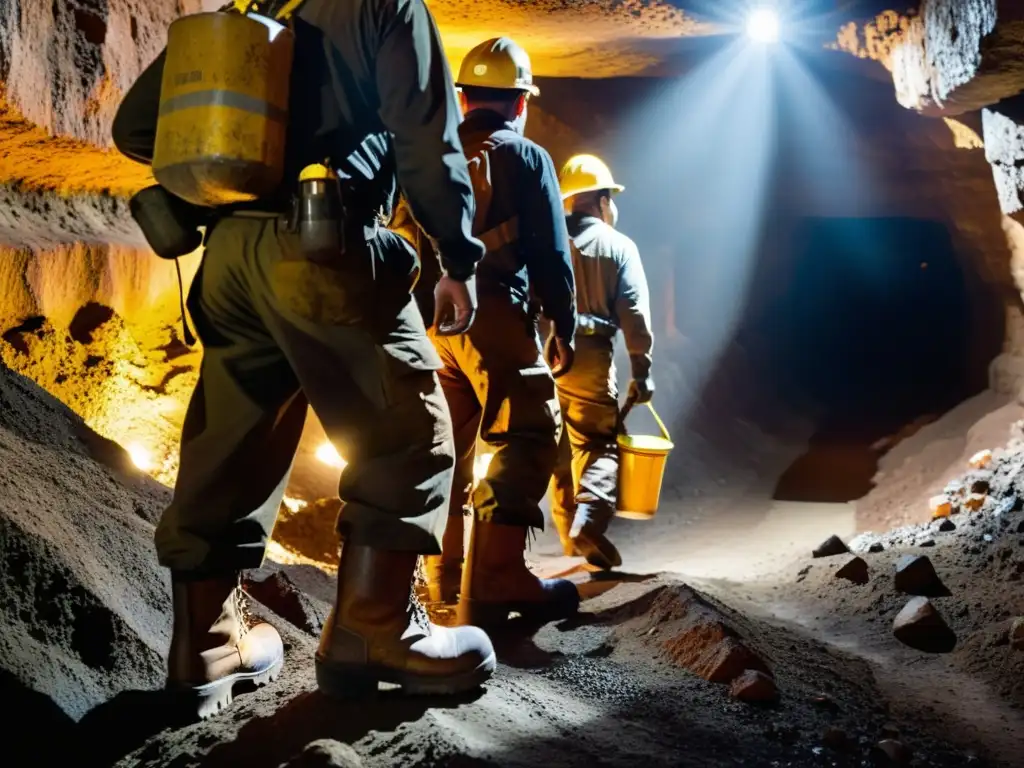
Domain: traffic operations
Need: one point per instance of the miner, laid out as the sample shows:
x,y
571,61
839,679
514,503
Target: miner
x,y
612,295
495,378
371,99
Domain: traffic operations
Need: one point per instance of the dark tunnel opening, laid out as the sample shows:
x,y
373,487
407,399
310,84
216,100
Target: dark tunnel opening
x,y
870,335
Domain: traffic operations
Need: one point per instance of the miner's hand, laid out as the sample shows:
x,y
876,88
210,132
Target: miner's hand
x,y
455,305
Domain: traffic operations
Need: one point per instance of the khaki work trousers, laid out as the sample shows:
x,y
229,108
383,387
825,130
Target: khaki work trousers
x,y
584,485
499,388
278,332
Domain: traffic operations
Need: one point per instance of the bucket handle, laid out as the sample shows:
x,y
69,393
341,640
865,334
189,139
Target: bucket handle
x,y
629,407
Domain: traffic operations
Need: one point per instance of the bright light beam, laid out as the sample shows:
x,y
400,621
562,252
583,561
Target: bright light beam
x,y
329,455
763,25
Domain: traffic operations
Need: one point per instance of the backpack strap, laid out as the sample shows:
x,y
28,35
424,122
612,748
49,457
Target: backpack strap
x,y
507,232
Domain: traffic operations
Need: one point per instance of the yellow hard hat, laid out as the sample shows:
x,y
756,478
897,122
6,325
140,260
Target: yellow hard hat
x,y
498,63
586,173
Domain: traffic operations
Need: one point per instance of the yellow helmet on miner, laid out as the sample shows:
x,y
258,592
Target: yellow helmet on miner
x,y
586,173
498,63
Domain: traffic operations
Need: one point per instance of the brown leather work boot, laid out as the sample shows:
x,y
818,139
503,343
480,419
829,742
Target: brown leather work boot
x,y
593,546
378,632
217,643
496,581
443,573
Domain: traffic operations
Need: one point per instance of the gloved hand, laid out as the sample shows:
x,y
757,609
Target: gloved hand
x,y
560,355
454,305
641,391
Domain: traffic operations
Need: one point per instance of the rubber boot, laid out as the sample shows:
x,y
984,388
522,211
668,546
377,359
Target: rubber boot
x,y
496,581
217,643
378,632
443,573
593,546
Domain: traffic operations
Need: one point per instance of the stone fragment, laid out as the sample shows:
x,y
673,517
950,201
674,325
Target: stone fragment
x,y
940,506
920,626
947,525
836,739
1020,527
326,753
927,543
855,570
876,547
278,592
725,661
981,459
754,687
915,575
1017,634
974,502
826,702
890,752
890,731
832,546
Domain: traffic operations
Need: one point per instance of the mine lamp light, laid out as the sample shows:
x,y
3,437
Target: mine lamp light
x,y
329,455
763,25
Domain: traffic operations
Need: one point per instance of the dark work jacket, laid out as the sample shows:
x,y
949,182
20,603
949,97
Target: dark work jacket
x,y
612,287
524,189
371,90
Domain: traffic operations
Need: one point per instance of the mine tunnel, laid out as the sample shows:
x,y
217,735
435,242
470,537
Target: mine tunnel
x,y
826,201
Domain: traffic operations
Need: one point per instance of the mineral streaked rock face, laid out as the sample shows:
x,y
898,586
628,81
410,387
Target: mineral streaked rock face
x,y
957,56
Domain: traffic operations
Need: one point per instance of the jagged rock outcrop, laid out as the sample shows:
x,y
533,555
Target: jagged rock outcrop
x,y
1004,148
957,56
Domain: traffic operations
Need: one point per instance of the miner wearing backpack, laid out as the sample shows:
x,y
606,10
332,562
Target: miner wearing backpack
x,y
370,97
495,378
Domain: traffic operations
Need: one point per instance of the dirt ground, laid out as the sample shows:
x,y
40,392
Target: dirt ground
x,y
715,585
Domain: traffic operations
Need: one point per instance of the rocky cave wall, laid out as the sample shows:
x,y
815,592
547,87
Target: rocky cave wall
x,y
92,316
962,60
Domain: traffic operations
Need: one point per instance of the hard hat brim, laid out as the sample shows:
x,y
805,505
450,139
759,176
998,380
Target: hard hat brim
x,y
615,189
533,90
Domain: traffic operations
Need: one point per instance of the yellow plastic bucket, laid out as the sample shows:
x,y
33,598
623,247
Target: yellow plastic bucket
x,y
220,136
642,460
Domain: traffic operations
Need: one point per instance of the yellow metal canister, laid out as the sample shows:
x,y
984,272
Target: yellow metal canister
x,y
220,136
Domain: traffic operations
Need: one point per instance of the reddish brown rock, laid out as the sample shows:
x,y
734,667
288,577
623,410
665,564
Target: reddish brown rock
x,y
920,626
754,687
696,635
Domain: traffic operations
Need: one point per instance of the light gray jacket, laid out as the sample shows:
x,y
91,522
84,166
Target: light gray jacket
x,y
611,288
